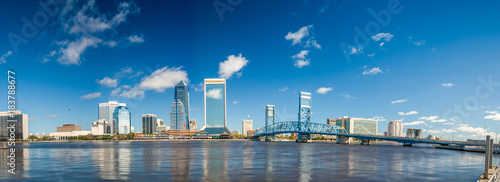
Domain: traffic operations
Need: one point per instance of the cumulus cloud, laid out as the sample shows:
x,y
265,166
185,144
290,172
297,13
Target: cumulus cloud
x,y
447,84
283,89
84,27
300,59
136,39
302,36
469,129
3,58
372,71
385,36
91,96
355,50
215,93
493,115
129,92
233,64
408,113
236,102
164,78
399,101
433,119
414,123
323,90
108,82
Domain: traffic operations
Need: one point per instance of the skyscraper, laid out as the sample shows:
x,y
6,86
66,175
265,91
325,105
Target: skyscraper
x,y
178,118
182,94
149,124
106,111
214,106
122,118
395,128
247,125
21,125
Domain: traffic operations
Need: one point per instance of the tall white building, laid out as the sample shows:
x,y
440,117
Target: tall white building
x,y
106,112
395,128
247,125
100,127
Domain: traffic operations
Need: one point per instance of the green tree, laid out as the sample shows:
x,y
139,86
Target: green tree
x,y
45,137
33,138
131,136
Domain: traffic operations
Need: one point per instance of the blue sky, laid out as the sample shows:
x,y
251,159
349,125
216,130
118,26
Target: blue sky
x,y
432,65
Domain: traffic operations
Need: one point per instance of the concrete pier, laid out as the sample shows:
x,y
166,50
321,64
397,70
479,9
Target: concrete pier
x,y
343,140
365,142
493,175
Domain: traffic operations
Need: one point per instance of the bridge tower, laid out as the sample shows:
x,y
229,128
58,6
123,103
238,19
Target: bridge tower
x,y
269,119
304,115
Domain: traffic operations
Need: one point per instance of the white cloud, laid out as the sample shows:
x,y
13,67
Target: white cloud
x,y
198,87
433,119
236,102
91,96
433,131
347,96
303,33
417,43
283,89
84,26
164,78
382,44
493,115
136,39
414,123
355,50
300,59
3,58
70,53
399,101
372,71
449,123
108,82
215,93
32,119
371,55
447,84
128,92
297,37
408,113
378,118
52,116
302,63
448,130
232,65
385,36
324,90
469,129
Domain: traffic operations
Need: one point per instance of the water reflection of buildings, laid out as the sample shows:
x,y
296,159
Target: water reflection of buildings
x,y
305,163
22,163
114,162
180,158
215,161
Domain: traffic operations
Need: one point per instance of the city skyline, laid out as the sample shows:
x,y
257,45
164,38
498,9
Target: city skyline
x,y
439,77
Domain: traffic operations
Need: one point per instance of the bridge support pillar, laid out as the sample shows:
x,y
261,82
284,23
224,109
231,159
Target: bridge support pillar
x,y
365,142
343,140
407,145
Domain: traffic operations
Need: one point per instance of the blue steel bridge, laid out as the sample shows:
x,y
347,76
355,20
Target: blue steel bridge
x,y
304,128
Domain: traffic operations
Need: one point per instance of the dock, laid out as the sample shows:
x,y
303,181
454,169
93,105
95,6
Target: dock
x,y
493,173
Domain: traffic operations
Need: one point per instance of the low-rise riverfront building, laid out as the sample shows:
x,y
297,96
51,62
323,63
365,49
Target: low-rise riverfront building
x,y
357,125
68,130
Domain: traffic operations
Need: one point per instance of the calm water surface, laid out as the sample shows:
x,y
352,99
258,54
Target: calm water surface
x,y
238,161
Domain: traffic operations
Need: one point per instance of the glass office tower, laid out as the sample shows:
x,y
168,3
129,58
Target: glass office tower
x,y
149,124
122,118
178,120
215,106
106,111
20,121
182,94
